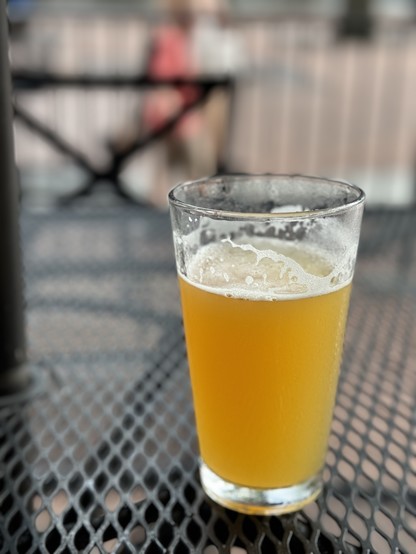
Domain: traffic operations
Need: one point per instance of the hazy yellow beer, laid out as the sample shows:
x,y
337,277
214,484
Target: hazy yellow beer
x,y
265,265
264,374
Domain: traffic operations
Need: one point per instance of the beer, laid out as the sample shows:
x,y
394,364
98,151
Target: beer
x,y
264,325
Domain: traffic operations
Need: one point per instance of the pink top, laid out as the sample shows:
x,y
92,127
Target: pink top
x,y
171,58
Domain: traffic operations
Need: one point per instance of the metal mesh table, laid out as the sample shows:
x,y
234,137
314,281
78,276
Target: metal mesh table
x,y
101,455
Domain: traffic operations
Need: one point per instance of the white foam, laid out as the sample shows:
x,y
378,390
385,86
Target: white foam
x,y
265,268
288,208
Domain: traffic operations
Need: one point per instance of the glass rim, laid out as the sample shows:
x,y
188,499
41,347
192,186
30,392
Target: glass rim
x,y
303,214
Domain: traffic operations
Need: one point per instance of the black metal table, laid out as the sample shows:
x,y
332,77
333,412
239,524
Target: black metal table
x,y
101,456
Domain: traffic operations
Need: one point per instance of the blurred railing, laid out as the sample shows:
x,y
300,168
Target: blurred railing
x,y
307,101
337,107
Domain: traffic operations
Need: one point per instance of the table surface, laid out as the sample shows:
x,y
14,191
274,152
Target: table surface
x,y
100,454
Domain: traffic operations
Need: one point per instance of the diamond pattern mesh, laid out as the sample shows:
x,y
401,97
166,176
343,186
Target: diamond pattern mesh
x,y
101,455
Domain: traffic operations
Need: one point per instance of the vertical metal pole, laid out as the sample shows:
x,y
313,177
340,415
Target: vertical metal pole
x,y
13,372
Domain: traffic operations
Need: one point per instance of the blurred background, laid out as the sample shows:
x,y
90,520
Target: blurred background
x,y
311,86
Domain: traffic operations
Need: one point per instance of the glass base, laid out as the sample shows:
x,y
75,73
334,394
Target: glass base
x,y
259,501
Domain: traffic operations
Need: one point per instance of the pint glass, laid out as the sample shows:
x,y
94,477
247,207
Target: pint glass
x,y
265,264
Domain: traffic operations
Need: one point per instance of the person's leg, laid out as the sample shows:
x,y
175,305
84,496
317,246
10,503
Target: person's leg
x,y
160,175
201,155
216,113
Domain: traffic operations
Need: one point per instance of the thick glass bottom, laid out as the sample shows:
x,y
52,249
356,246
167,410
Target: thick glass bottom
x,y
259,501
